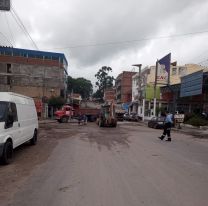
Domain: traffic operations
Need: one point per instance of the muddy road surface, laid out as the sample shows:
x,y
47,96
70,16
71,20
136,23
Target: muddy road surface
x,y
90,166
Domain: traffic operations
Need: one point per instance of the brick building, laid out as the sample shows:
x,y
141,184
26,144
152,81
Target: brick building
x,y
36,74
123,86
32,73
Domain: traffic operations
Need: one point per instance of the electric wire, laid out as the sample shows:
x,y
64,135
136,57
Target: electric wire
x,y
16,20
132,41
12,37
203,62
20,23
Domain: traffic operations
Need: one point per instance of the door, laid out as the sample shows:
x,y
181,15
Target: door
x,y
13,129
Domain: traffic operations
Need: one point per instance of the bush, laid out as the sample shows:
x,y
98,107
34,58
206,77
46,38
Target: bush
x,y
197,121
188,116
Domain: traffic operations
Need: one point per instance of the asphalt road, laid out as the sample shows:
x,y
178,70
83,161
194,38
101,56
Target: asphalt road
x,y
124,166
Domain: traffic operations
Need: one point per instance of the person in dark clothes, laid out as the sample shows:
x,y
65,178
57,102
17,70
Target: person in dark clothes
x,y
167,126
80,117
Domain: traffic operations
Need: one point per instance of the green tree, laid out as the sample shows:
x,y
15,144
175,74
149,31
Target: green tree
x,y
56,102
104,81
80,85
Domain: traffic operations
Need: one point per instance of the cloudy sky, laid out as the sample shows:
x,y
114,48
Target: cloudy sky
x,y
115,33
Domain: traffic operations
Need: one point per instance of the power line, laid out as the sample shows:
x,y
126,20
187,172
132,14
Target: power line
x,y
131,41
203,61
9,28
20,23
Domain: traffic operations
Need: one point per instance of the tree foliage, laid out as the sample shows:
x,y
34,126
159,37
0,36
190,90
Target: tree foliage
x,y
104,81
56,102
80,85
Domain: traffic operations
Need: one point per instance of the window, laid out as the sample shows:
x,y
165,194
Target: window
x,y
174,71
14,111
162,70
3,108
182,71
9,80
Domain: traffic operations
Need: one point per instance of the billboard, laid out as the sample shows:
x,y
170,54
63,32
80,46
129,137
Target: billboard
x,y
191,84
5,5
149,92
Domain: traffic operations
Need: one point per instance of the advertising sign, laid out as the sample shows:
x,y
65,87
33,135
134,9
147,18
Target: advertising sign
x,y
162,75
179,118
5,5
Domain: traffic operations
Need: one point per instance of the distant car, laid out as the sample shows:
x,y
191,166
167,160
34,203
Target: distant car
x,y
134,117
126,116
157,122
120,116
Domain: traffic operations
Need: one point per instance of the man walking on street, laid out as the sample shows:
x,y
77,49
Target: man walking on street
x,y
167,126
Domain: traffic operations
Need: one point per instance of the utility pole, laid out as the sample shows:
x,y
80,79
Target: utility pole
x,y
155,90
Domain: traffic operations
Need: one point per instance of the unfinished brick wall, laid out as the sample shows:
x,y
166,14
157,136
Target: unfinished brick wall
x,y
31,77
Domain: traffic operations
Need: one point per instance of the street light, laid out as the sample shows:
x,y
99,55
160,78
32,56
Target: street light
x,y
140,82
140,89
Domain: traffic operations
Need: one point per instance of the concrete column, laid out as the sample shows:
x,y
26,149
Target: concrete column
x,y
143,110
155,104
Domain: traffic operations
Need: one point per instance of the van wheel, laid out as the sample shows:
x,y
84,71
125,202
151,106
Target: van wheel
x,y
33,141
7,156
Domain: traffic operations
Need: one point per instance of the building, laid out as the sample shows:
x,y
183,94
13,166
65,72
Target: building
x,y
191,95
37,74
138,90
123,86
142,96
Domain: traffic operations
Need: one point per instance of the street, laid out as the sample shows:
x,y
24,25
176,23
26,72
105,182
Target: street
x,y
90,166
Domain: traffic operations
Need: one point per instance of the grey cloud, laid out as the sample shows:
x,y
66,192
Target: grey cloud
x,y
68,23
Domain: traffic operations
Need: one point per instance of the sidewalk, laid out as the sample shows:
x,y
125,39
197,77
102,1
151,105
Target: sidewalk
x,y
197,132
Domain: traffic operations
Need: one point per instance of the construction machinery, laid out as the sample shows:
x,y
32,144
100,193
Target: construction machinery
x,y
107,116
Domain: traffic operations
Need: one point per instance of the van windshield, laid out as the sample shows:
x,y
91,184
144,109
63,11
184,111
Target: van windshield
x,y
3,108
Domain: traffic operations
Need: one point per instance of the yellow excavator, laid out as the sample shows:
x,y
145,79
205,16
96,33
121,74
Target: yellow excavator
x,y
107,116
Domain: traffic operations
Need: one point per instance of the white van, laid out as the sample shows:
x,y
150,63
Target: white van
x,y
18,123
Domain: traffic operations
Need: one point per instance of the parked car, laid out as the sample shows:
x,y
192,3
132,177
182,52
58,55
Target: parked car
x,y
157,122
120,116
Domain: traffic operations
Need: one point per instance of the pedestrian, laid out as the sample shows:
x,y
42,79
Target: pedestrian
x,y
167,126
85,119
80,117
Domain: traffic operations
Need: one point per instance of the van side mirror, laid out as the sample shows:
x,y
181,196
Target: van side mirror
x,y
9,122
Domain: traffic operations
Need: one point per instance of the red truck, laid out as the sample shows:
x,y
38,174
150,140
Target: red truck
x,y
91,113
63,115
